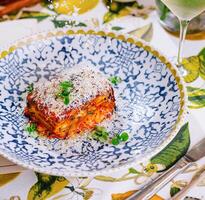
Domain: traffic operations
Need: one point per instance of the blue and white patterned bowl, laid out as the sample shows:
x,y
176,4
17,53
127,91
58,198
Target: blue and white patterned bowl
x,y
150,100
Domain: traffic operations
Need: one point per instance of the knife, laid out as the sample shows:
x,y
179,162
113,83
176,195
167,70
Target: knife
x,y
196,153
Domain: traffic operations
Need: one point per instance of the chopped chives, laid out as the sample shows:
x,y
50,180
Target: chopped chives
x,y
66,84
124,136
101,134
115,141
115,80
30,88
66,100
65,89
31,127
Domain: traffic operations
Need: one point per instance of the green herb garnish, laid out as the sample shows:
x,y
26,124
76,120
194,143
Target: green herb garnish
x,y
66,100
66,85
123,137
100,134
65,89
100,129
115,80
115,141
30,88
31,127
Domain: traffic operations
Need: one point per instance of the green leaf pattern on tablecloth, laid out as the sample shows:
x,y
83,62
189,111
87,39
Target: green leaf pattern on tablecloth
x,y
175,150
202,61
46,186
196,97
60,188
195,66
133,174
191,65
174,190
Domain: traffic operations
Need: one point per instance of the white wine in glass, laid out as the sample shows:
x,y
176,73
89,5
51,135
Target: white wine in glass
x,y
185,10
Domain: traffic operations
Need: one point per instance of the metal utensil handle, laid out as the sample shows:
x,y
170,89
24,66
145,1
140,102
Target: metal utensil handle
x,y
196,178
149,190
11,169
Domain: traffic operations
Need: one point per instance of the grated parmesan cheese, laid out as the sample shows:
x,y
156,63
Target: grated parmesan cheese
x,y
87,82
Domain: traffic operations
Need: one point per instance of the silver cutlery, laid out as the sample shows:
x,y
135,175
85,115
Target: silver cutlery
x,y
7,166
7,169
196,153
196,178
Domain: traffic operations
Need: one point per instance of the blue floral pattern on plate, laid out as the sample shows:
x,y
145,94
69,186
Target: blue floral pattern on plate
x,y
147,103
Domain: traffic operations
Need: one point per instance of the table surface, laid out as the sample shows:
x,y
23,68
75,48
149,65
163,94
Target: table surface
x,y
117,185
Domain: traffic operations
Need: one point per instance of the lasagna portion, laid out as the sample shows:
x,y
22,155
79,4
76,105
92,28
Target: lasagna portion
x,y
72,103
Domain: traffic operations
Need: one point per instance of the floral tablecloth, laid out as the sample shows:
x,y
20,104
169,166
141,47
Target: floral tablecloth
x,y
140,22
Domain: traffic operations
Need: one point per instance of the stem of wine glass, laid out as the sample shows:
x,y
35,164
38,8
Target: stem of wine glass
x,y
183,30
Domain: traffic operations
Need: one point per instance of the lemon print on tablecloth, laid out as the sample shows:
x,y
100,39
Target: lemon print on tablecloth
x,y
68,7
46,186
194,66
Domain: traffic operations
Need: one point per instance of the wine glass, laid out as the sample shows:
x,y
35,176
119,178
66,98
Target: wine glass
x,y
185,11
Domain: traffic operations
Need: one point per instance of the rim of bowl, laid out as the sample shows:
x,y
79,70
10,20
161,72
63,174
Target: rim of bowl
x,y
43,35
